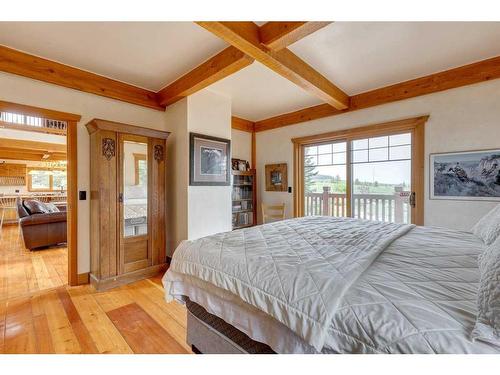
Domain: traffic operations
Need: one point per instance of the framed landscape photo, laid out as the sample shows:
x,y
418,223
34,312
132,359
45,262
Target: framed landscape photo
x,y
468,175
209,160
276,177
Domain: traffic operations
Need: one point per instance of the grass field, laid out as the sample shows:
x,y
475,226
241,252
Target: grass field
x,y
339,187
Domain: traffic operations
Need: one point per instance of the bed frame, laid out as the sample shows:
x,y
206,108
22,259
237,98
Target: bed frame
x,y
209,334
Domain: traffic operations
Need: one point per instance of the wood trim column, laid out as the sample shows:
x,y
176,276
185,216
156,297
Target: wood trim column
x,y
72,218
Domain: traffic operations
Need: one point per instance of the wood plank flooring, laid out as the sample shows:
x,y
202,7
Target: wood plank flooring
x,y
23,272
131,319
39,313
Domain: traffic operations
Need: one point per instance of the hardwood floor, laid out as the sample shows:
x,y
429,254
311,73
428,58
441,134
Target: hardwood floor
x,y
131,319
23,272
40,314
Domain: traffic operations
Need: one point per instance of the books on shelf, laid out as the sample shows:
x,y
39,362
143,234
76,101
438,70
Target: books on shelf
x,y
242,219
243,207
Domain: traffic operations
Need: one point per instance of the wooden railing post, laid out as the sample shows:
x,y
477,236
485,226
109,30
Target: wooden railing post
x,y
398,205
326,200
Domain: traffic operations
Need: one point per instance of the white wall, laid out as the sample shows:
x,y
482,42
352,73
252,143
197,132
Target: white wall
x,y
241,145
195,211
466,118
39,94
209,207
177,174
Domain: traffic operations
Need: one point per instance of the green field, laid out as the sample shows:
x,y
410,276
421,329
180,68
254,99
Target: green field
x,y
317,182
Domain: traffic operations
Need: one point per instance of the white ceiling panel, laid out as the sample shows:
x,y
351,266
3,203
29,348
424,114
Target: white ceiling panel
x,y
258,93
145,54
361,56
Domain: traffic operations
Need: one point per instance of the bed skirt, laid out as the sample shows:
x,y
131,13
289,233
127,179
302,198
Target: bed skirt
x,y
209,334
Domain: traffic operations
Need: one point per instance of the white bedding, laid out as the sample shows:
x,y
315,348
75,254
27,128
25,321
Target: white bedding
x,y
417,296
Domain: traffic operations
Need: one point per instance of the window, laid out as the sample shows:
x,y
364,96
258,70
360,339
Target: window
x,y
44,179
373,172
141,169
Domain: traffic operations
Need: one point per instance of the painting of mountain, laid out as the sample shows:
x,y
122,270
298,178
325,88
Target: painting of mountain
x,y
473,175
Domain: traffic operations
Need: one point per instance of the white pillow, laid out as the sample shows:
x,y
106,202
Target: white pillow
x,y
487,326
488,228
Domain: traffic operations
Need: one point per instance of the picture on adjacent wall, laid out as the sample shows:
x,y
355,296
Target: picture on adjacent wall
x,y
276,177
209,160
471,175
240,165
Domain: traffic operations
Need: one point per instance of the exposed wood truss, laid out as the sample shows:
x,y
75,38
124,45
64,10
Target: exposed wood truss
x,y
32,145
223,64
246,37
242,124
279,35
465,75
20,63
14,149
266,44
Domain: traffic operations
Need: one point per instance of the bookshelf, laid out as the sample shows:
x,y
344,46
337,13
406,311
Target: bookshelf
x,y
244,205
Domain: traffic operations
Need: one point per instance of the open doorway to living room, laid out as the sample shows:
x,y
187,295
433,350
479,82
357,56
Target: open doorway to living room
x,y
34,210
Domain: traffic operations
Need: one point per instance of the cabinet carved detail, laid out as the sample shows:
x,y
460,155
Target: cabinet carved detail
x,y
108,148
158,152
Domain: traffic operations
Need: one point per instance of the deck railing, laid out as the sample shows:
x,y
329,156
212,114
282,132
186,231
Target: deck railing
x,y
37,124
381,207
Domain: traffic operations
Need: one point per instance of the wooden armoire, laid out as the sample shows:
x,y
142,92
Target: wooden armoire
x,y
127,203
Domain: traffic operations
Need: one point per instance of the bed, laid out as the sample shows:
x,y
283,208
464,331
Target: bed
x,y
330,285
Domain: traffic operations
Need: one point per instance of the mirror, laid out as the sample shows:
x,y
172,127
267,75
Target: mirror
x,y
135,188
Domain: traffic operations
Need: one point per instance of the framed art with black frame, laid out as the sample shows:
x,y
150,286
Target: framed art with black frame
x,y
209,160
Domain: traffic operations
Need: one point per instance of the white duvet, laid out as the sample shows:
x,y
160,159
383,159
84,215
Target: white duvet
x,y
393,289
295,270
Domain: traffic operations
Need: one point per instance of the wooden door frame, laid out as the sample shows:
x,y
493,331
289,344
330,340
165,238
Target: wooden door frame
x,y
72,175
415,125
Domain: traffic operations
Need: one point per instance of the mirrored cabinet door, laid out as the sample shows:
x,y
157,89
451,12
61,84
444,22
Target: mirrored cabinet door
x,y
135,252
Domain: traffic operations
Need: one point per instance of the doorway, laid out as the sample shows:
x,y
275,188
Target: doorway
x,y
39,157
373,172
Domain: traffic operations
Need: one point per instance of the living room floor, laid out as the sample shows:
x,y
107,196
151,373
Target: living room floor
x,y
23,272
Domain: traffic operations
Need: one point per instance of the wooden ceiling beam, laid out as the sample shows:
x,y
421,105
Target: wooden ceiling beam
x,y
34,146
220,66
462,76
242,124
279,35
245,36
26,65
24,154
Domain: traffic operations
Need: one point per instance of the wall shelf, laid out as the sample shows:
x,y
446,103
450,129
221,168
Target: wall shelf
x,y
244,205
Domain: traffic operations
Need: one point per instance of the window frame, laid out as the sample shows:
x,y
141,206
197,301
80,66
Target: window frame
x,y
415,126
51,179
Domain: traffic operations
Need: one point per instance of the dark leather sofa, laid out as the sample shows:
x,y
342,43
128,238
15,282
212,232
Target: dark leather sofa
x,y
41,229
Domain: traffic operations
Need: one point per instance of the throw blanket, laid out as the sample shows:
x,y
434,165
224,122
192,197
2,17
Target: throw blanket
x,y
294,270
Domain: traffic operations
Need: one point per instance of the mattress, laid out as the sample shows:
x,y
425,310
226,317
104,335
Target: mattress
x,y
417,296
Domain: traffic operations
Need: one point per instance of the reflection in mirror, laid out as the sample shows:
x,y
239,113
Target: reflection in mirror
x,y
135,188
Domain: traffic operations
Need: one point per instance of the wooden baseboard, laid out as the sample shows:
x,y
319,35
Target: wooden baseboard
x,y
113,282
83,278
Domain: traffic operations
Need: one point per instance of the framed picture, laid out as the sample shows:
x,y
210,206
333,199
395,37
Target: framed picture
x,y
209,160
468,175
240,165
276,177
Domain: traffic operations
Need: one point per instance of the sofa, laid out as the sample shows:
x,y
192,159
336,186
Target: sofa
x,y
42,224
